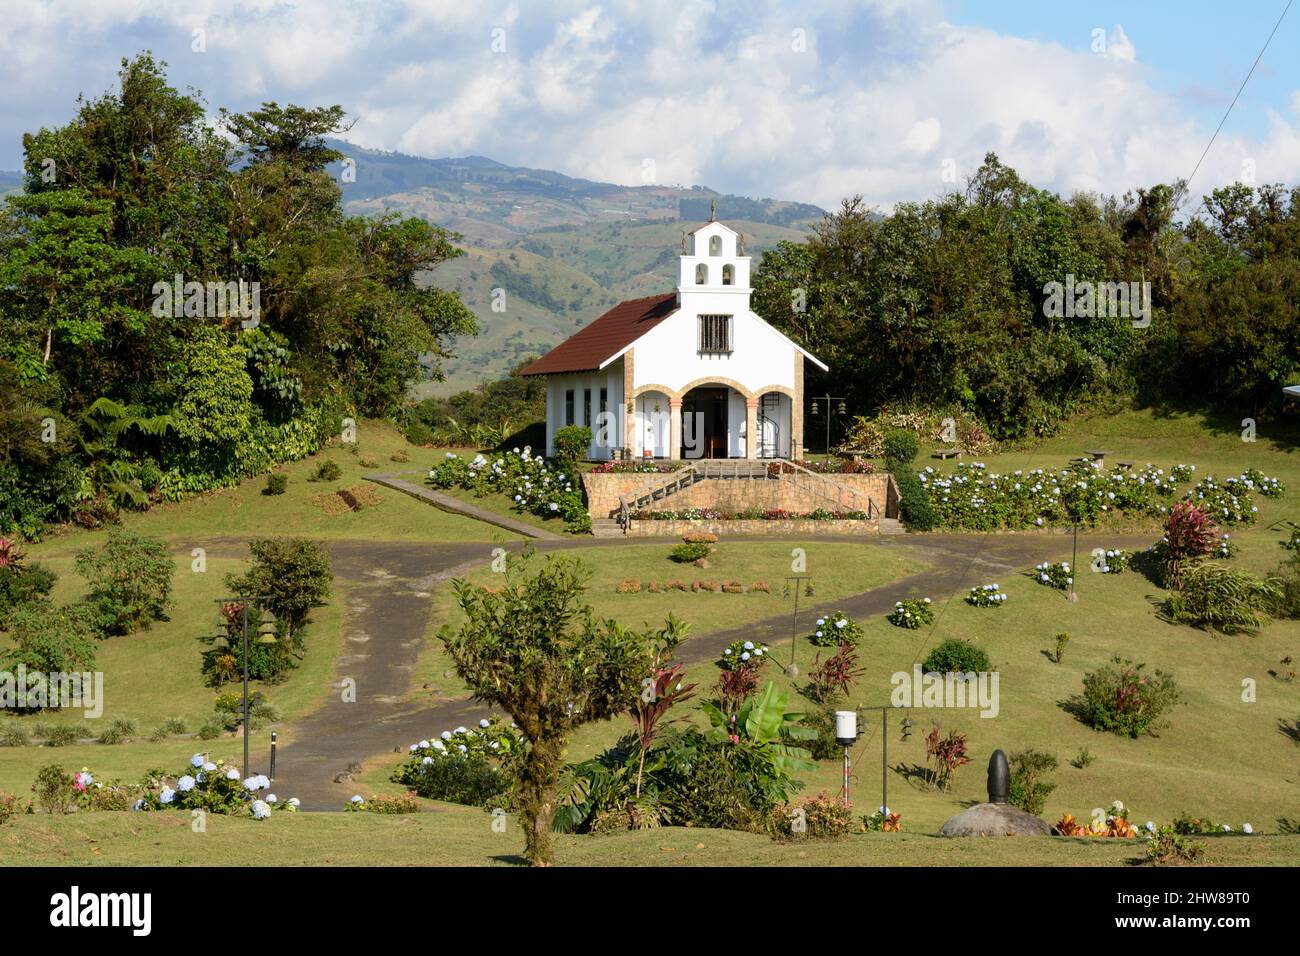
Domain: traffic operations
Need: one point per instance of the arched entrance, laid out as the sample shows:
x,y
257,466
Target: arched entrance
x,y
713,422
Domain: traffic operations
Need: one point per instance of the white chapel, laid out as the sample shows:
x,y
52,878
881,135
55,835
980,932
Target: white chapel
x,y
693,373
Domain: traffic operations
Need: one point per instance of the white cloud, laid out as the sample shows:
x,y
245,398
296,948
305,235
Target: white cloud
x,y
873,100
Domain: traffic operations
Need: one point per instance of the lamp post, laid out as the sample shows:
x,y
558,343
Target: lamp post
x,y
839,409
267,633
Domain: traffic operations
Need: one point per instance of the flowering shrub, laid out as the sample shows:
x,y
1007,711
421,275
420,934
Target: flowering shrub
x,y
1229,502
741,655
628,586
634,467
912,613
881,821
8,805
1292,543
1115,561
1268,487
408,802
835,629
822,817
834,676
465,765
1113,824
1122,699
826,466
1055,575
971,498
985,595
753,514
1225,547
213,787
534,486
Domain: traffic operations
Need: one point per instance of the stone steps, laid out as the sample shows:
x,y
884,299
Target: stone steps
x,y
891,526
606,528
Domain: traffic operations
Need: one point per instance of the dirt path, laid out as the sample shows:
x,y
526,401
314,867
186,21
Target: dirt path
x,y
390,588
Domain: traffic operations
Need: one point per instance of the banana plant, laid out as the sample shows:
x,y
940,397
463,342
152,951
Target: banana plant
x,y
763,723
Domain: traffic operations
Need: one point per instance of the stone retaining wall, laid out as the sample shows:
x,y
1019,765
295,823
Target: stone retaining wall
x,y
723,528
734,494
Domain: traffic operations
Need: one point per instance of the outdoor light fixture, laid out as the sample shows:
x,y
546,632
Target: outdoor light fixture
x,y
846,735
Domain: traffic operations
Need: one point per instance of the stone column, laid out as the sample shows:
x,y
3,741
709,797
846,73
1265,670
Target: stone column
x,y
796,410
674,427
751,428
631,440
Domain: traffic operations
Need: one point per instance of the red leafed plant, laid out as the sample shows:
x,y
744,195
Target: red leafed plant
x,y
10,554
948,753
836,675
658,695
735,687
1189,536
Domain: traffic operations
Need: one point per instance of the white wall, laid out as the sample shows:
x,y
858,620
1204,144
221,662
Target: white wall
x,y
585,413
666,355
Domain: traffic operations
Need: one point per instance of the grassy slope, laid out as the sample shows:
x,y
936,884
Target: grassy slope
x,y
459,836
839,569
155,674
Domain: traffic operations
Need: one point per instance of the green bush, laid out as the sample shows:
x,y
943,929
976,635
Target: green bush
x,y
835,629
914,500
472,779
1168,846
8,807
62,735
954,654
327,470
276,483
54,789
171,727
822,817
571,445
901,446
13,735
22,584
686,552
297,575
1121,699
1030,787
130,579
1218,598
117,732
46,640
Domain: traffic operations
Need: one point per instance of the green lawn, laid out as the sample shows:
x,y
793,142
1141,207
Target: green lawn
x,y
839,568
459,836
244,511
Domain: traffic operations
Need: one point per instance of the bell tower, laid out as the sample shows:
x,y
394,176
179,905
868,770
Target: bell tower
x,y
713,262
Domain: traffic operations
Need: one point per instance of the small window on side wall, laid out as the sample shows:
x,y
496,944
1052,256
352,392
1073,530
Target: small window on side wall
x,y
701,274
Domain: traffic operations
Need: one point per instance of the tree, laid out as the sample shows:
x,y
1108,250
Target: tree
x,y
295,573
533,648
130,579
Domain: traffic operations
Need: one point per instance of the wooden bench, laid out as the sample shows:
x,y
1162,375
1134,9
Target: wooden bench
x,y
943,454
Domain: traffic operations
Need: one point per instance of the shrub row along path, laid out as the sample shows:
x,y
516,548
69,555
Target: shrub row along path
x,y
389,591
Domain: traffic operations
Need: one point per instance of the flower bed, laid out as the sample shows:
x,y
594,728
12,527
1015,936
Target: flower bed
x,y
985,595
1114,561
533,485
835,629
1056,574
911,614
634,586
214,787
743,655
750,514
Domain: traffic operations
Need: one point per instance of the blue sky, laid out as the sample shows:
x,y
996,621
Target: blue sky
x,y
894,99
1198,51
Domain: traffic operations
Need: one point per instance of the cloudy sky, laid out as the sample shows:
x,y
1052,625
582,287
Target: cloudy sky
x,y
807,101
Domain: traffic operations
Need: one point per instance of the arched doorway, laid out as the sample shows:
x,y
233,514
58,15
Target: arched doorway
x,y
774,425
711,425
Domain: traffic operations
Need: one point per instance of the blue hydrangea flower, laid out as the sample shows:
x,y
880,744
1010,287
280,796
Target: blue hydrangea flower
x,y
261,810
196,760
185,784
167,795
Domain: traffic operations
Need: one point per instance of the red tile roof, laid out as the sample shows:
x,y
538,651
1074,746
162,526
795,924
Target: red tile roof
x,y
608,335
